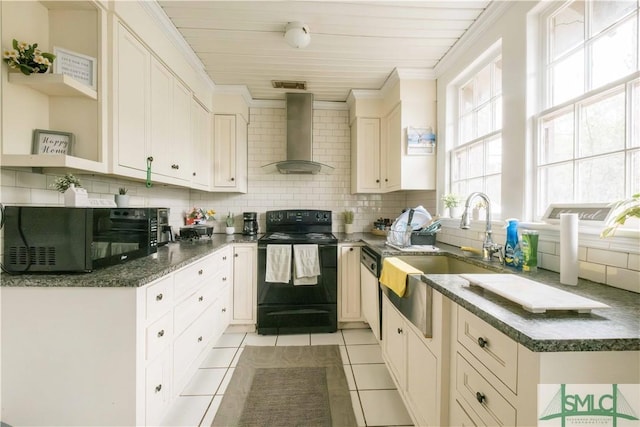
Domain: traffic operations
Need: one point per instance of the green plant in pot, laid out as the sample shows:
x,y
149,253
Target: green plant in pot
x,y
621,211
451,203
63,183
230,229
122,198
348,217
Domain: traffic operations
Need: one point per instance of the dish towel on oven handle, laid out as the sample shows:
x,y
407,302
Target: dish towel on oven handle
x,y
306,265
278,269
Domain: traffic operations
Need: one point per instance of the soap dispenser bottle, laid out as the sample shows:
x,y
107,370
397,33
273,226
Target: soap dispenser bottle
x,y
512,247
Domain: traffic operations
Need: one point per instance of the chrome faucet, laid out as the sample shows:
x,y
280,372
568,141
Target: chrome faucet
x,y
489,248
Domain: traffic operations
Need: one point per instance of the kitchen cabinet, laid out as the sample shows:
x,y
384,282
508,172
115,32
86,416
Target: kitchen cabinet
x,y
202,141
124,352
365,155
55,101
230,153
245,261
349,283
414,368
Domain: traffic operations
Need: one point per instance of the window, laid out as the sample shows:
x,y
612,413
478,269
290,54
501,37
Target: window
x,y
588,147
476,159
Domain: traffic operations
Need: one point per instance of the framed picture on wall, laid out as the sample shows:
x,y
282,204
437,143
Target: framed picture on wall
x,y
52,142
81,67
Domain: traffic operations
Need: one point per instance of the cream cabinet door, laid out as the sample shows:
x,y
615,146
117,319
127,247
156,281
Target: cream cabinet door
x,y
132,126
349,283
201,160
365,155
181,147
244,283
161,95
392,151
422,389
394,341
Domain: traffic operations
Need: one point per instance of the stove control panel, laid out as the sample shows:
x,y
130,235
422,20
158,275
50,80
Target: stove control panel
x,y
305,217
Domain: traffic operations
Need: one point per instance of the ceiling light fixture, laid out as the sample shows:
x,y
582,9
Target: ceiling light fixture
x,y
297,34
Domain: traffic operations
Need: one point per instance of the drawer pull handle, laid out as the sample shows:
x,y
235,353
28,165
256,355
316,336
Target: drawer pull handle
x,y
199,338
200,272
158,388
161,333
482,342
399,330
480,397
159,297
201,298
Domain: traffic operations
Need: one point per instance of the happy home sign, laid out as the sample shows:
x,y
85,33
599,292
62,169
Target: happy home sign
x,y
52,142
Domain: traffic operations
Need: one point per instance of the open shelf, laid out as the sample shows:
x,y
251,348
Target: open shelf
x,y
54,85
52,161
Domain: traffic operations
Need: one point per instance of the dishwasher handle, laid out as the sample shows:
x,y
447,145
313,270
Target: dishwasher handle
x,y
370,262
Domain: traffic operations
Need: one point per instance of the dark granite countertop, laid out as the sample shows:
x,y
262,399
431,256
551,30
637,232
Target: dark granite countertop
x,y
134,273
612,329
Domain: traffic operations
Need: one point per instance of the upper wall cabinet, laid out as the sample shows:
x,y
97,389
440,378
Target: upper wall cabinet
x,y
152,116
381,161
202,137
55,102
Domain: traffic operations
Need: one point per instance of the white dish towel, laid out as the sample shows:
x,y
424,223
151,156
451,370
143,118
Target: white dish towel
x,y
278,264
306,264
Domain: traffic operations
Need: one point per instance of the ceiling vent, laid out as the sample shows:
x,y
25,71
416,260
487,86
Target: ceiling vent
x,y
281,84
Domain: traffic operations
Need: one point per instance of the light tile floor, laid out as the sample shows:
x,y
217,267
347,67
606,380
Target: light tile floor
x,y
376,401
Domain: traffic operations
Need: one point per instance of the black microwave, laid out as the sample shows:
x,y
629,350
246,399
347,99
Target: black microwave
x,y
59,239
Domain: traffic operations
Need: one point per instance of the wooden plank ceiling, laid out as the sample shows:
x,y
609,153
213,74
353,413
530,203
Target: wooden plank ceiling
x,y
354,45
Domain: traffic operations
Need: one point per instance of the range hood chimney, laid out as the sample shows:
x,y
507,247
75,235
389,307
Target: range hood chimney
x,y
299,138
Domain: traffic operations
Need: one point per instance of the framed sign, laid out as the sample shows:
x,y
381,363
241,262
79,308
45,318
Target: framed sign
x,y
591,213
52,142
420,141
81,67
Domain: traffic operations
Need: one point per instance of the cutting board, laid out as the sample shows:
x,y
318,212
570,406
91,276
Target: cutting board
x,y
533,296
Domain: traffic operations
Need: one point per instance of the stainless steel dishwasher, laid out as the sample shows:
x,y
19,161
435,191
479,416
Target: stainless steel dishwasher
x,y
371,294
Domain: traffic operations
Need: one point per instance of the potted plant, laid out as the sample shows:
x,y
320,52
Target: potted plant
x,y
622,211
27,58
230,229
348,221
451,203
122,198
70,187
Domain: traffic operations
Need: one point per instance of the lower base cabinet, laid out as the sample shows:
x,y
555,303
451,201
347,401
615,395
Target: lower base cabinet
x,y
110,355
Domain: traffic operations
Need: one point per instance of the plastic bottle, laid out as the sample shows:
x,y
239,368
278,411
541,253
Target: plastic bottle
x,y
530,250
512,252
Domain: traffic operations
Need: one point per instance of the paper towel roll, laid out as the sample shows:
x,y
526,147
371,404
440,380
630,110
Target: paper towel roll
x,y
569,249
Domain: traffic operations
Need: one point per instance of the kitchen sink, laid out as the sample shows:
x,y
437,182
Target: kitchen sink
x,y
417,302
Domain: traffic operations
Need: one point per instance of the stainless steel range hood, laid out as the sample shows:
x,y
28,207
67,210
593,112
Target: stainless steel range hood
x,y
299,138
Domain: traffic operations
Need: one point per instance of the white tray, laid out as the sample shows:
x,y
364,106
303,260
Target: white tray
x,y
533,296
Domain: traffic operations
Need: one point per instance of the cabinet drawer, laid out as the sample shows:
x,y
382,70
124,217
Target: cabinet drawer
x,y
159,298
476,392
460,417
192,275
193,340
158,389
189,309
159,335
495,350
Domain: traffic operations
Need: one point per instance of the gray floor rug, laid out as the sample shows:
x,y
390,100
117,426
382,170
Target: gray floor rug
x,y
287,386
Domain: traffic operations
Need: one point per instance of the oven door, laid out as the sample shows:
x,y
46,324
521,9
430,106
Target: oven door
x,y
289,308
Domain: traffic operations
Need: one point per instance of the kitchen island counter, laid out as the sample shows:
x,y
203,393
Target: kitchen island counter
x,y
134,273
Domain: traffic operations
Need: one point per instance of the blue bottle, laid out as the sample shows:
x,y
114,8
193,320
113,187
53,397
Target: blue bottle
x,y
512,252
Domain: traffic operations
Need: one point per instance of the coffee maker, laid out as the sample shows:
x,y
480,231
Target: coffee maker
x,y
250,226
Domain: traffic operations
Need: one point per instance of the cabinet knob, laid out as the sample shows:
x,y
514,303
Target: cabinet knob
x,y
200,272
235,255
377,181
386,180
201,298
200,339
350,249
174,166
482,342
161,333
399,330
224,279
159,297
224,258
194,174
224,310
158,388
233,179
480,397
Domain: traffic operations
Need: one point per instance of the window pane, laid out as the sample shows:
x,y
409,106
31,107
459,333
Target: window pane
x,y
483,85
567,78
567,29
497,110
493,189
494,156
459,165
601,179
466,98
476,184
614,54
466,129
557,139
605,13
459,187
497,77
556,184
476,160
484,120
635,115
634,172
602,126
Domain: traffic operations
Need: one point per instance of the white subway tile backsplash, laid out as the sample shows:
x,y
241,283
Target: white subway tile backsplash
x,y
599,256
593,272
30,180
634,262
623,278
